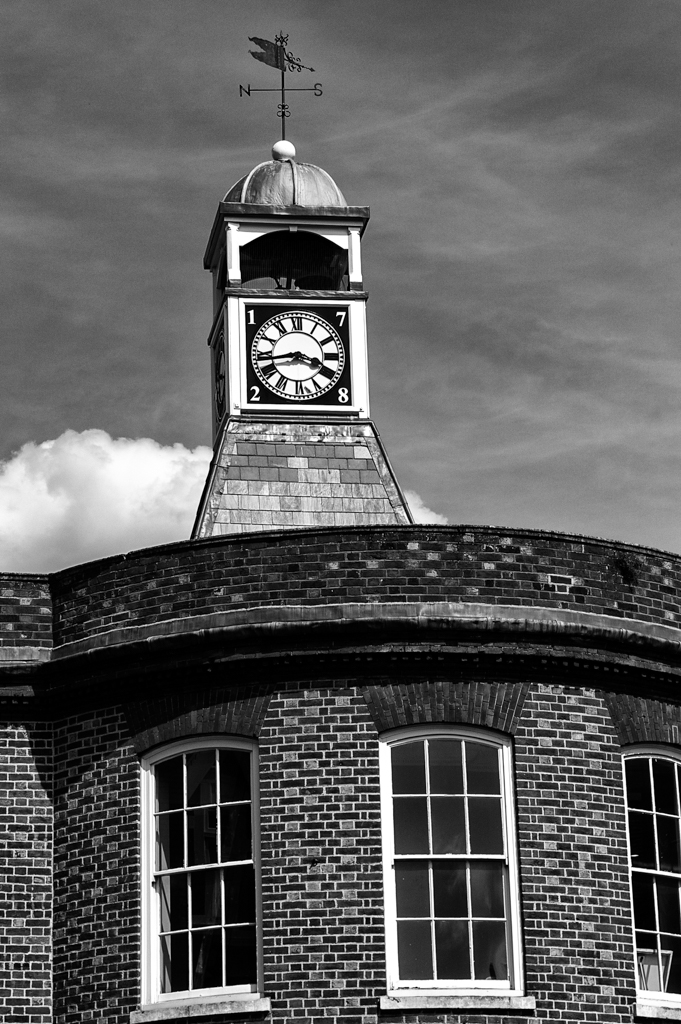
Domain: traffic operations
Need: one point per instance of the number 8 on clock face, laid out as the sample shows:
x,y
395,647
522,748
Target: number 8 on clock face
x,y
297,356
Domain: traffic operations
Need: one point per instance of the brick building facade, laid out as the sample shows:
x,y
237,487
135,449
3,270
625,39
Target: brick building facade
x,y
317,646
363,770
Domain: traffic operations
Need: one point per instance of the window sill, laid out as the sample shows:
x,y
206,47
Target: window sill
x,y
451,1001
198,1008
653,1010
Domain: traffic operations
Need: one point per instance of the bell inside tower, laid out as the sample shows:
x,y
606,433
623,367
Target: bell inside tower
x,y
294,260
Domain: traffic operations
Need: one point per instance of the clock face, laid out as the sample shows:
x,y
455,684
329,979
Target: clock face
x,y
219,384
297,356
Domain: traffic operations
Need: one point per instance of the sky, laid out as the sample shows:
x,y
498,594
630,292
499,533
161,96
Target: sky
x,y
522,163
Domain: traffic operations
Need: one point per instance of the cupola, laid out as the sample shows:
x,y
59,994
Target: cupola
x,y
283,181
294,444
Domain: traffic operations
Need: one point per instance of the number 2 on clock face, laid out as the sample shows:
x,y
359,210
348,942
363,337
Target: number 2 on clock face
x,y
298,355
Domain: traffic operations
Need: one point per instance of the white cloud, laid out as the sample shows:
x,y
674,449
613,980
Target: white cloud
x,y
421,512
87,495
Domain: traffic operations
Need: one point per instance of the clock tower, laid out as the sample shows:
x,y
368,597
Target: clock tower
x,y
293,442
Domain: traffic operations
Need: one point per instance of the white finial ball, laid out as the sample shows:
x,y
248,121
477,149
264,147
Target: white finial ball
x,y
283,150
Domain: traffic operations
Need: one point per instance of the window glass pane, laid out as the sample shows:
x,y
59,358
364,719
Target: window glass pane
x,y
668,905
638,783
235,775
169,841
169,784
241,962
173,893
206,899
239,894
671,963
449,825
414,950
446,772
409,769
482,768
668,843
202,836
175,962
411,825
201,778
642,839
644,905
489,950
207,958
487,890
452,950
665,786
235,825
411,883
450,896
648,963
484,815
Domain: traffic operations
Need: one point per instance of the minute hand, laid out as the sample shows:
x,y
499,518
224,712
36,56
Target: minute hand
x,y
298,357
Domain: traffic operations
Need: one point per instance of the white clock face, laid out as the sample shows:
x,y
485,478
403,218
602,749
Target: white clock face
x,y
298,355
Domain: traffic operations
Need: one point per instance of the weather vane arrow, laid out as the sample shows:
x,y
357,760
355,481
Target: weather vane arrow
x,y
277,56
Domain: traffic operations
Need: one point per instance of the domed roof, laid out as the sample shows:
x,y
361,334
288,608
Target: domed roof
x,y
285,182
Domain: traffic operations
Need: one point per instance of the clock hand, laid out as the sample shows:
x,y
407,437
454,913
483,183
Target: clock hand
x,y
298,357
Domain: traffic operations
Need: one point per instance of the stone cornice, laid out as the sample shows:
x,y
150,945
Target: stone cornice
x,y
534,624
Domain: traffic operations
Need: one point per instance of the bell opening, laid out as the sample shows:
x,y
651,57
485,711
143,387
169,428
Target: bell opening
x,y
294,260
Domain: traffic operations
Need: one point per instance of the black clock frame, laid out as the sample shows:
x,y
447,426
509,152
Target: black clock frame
x,y
338,397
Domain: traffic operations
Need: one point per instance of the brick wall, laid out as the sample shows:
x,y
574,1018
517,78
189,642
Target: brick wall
x,y
398,564
573,856
321,858
25,874
25,610
321,853
96,883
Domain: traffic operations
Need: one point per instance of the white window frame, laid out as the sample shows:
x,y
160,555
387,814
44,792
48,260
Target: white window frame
x,y
512,988
150,902
649,1003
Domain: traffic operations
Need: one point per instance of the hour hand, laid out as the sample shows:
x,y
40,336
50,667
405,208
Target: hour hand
x,y
298,357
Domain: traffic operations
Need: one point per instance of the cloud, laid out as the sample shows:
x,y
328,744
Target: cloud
x,y
421,512
86,495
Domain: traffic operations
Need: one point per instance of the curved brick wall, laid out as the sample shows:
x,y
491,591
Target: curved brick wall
x,y
25,611
476,565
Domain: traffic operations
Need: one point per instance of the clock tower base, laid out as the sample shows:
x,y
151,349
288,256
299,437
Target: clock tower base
x,y
273,475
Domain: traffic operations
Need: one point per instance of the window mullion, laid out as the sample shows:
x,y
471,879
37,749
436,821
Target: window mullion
x,y
218,815
190,937
433,948
223,932
185,824
658,937
469,923
431,892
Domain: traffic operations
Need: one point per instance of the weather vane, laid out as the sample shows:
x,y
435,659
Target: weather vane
x,y
277,56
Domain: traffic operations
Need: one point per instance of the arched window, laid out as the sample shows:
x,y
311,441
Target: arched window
x,y
294,259
452,911
200,862
653,784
